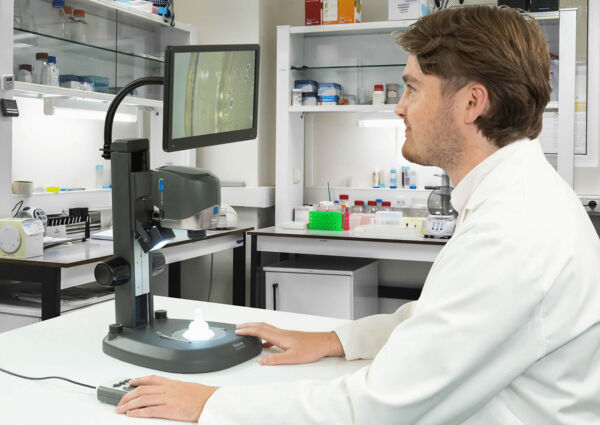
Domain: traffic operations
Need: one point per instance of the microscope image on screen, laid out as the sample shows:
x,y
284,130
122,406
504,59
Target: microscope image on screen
x,y
213,92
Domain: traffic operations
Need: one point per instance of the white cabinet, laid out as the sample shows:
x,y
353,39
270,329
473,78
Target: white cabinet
x,y
56,140
361,55
336,287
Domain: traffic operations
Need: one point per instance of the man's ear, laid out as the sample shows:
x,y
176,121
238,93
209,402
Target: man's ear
x,y
477,102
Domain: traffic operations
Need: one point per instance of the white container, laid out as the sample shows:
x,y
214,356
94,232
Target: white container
x,y
393,218
296,97
79,26
361,219
346,288
302,213
41,60
378,95
99,176
393,179
24,74
399,10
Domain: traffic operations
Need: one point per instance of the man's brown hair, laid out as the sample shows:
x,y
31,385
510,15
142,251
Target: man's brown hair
x,y
500,48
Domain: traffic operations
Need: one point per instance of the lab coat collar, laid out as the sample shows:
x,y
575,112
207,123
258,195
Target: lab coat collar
x,y
463,192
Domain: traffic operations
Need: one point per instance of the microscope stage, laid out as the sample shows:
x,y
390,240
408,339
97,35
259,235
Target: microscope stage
x,y
161,345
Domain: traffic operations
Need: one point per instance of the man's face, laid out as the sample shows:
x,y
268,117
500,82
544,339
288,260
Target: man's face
x,y
432,135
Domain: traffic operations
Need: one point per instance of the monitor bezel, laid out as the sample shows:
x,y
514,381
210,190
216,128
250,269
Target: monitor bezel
x,y
193,142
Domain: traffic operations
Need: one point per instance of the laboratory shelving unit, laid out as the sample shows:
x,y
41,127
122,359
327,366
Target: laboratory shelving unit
x,y
122,44
360,55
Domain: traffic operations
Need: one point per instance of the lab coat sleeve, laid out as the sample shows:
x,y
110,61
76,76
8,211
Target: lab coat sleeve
x,y
363,338
475,329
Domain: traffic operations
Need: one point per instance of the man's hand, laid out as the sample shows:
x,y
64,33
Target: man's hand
x,y
157,397
299,347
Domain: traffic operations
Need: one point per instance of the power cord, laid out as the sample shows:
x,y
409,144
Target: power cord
x,y
47,377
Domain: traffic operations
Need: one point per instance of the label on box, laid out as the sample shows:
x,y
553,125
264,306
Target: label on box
x,y
330,11
407,9
329,100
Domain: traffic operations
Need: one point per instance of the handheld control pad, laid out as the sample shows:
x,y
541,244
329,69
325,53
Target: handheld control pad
x,y
112,391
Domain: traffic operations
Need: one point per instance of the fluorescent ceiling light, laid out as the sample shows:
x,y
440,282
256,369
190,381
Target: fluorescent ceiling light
x,y
88,114
381,123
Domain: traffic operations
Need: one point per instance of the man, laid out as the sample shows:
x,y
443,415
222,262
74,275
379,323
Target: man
x,y
507,329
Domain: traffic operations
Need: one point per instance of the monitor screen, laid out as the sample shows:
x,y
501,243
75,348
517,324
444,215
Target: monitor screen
x,y
210,95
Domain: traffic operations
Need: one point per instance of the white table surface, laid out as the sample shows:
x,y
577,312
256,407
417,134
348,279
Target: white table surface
x,y
347,244
71,346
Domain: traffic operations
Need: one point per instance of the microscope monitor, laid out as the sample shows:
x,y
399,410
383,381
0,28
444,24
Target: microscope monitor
x,y
211,95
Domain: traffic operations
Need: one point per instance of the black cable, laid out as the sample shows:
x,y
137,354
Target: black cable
x,y
20,204
47,377
112,109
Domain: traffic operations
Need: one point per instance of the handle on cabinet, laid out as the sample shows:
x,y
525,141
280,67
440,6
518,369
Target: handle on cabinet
x,y
275,286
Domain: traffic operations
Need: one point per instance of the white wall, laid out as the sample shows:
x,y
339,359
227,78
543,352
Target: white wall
x,y
226,22
340,148
59,150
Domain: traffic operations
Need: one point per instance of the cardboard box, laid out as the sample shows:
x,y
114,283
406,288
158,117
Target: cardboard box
x,y
341,11
312,12
400,10
349,11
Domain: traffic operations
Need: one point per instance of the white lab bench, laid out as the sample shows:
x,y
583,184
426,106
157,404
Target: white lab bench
x,y
339,244
69,265
71,346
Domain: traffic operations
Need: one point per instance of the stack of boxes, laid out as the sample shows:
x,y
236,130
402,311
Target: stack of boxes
x,y
531,5
326,12
314,93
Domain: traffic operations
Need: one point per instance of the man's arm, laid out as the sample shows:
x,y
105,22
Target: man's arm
x,y
474,330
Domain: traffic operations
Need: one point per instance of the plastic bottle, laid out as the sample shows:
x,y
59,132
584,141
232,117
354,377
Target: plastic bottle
x,y
52,74
405,176
66,23
345,200
413,179
378,95
41,60
59,6
379,203
371,208
393,179
359,207
99,176
25,73
376,177
386,206
79,26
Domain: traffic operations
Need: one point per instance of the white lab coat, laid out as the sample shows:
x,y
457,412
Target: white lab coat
x,y
506,331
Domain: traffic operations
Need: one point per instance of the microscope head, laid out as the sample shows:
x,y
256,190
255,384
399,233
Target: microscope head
x,y
187,198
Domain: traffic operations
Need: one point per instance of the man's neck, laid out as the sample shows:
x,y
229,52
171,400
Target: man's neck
x,y
475,152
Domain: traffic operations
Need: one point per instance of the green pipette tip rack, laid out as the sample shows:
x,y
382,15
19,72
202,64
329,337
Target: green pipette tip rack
x,y
325,220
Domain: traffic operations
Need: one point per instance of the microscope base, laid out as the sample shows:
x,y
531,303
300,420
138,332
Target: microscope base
x,y
160,346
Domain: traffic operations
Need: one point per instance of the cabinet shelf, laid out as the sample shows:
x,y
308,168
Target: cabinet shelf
x,y
552,106
342,108
127,15
346,67
38,90
27,39
117,66
383,27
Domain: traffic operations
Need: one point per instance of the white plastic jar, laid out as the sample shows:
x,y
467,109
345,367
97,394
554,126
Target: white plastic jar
x,y
378,95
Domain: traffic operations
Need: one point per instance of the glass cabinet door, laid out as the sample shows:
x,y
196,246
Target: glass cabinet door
x,y
97,47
